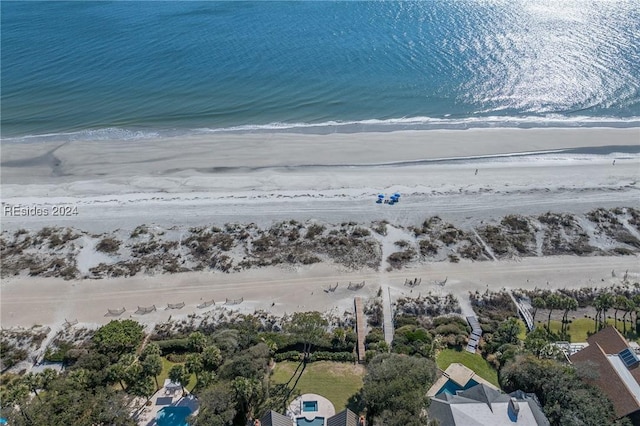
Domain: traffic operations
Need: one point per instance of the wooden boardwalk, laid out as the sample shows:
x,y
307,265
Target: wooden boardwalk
x,y
387,311
360,328
476,334
524,313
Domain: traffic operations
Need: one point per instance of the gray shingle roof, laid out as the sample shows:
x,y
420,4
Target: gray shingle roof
x,y
272,418
343,418
482,405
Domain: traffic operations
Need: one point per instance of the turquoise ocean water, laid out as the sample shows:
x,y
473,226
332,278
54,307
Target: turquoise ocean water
x,y
101,70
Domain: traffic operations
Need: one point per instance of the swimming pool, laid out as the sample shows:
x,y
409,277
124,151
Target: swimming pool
x,y
452,387
310,406
318,421
173,416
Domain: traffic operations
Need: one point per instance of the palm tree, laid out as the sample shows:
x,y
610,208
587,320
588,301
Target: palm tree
x,y
34,382
606,302
628,308
537,303
178,374
197,341
553,301
194,364
211,357
48,376
568,304
619,304
152,366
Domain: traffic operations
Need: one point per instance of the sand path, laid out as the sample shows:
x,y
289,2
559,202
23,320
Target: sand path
x,y
49,301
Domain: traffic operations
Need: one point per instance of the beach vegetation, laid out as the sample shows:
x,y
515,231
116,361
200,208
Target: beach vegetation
x,y
108,245
398,259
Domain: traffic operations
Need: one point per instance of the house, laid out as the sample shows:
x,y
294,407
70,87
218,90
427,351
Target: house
x,y
482,405
343,418
271,418
455,378
616,370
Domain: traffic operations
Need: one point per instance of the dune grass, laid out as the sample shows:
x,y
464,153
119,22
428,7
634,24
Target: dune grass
x,y
473,361
336,381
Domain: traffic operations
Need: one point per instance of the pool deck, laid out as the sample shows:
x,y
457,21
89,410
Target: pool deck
x,y
460,375
165,398
325,407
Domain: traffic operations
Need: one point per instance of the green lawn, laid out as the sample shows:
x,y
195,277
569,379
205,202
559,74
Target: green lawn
x,y
473,361
579,327
166,366
336,381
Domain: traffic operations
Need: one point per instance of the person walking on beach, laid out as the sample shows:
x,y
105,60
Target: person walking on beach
x,y
477,171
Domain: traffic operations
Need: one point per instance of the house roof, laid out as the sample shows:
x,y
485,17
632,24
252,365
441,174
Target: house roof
x,y
482,405
343,418
612,377
272,418
609,339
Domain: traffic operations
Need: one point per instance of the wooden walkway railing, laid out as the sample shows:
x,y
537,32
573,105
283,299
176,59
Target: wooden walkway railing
x,y
360,328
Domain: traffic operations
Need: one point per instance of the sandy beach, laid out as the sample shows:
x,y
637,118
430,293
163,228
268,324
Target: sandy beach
x,y
228,178
467,176
26,302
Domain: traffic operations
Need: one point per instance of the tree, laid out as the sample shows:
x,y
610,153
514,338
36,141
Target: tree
x,y
17,394
629,307
568,304
507,332
34,382
197,341
152,366
118,337
309,327
538,342
149,350
211,358
620,303
249,393
217,406
193,364
178,374
537,303
48,376
397,383
602,303
553,301
67,403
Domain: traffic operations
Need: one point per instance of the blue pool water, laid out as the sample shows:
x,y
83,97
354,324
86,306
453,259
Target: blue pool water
x,y
173,416
310,406
318,421
451,387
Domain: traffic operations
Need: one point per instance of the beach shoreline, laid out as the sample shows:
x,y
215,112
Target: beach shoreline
x,y
226,178
480,175
30,163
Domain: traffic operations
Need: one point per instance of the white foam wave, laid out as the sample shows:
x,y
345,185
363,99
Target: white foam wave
x,y
335,126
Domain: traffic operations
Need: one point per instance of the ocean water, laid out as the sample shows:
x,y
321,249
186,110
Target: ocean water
x,y
100,70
